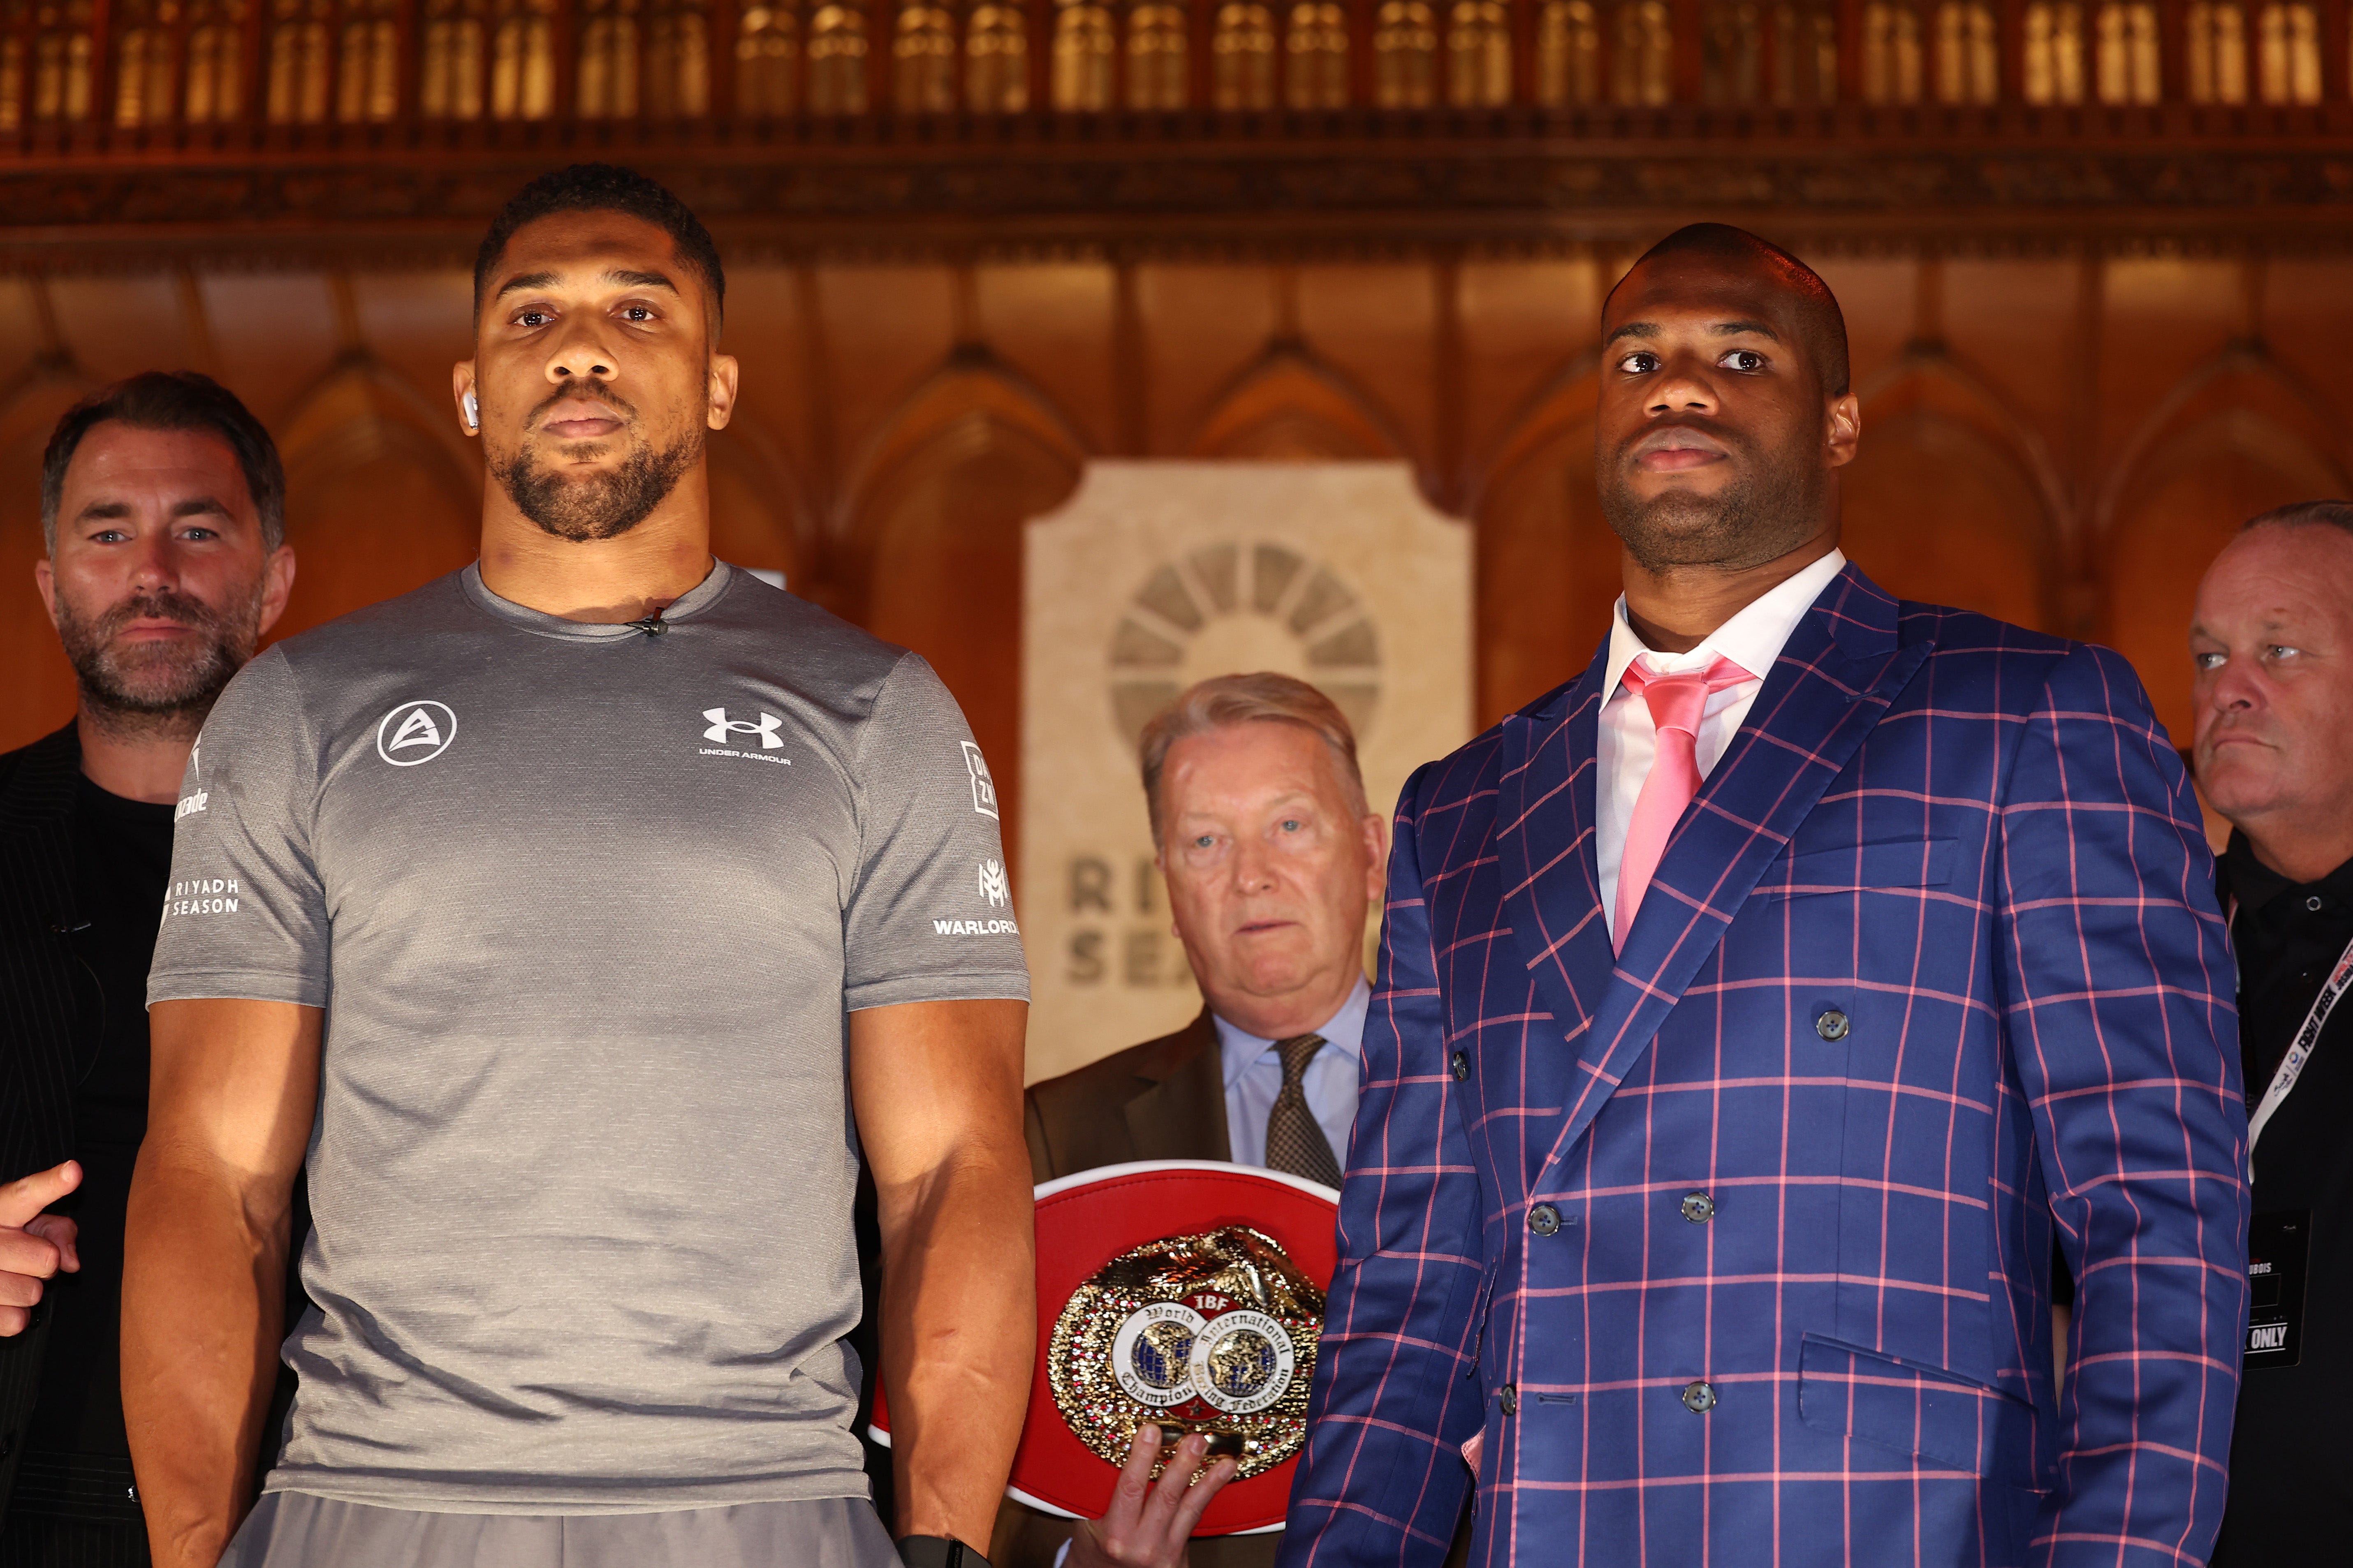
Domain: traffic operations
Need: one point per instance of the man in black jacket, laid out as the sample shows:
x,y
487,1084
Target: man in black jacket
x,y
2273,641
163,506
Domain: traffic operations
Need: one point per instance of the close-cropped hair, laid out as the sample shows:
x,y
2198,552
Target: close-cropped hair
x,y
2305,514
603,188
170,400
1265,697
1824,322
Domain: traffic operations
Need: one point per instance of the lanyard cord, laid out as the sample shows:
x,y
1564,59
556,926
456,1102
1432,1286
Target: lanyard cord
x,y
2300,1049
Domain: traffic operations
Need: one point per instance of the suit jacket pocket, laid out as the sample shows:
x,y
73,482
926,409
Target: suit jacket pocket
x,y
1860,867
1933,1414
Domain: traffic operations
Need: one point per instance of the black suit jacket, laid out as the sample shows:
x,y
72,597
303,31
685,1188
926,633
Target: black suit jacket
x,y
39,976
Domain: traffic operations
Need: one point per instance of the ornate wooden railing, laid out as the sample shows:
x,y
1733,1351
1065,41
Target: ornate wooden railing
x,y
123,73
987,123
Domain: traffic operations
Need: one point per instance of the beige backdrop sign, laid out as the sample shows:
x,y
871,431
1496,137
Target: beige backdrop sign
x,y
1155,576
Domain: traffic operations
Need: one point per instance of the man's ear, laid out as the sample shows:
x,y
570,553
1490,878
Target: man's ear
x,y
468,399
722,390
277,585
45,578
1844,429
1376,829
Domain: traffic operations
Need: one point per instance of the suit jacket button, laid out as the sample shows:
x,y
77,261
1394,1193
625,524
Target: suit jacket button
x,y
1508,1400
1544,1219
1831,1025
1459,1066
1699,1398
1698,1207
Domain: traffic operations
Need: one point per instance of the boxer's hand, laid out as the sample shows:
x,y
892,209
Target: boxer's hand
x,y
1148,1525
34,1245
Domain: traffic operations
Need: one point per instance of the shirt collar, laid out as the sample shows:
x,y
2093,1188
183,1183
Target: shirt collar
x,y
1344,1029
687,605
2255,884
1752,639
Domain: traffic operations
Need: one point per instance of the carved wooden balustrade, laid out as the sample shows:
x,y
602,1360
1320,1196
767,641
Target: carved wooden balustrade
x,y
994,123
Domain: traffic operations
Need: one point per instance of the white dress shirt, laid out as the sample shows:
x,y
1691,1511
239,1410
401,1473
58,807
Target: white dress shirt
x,y
1751,639
1254,1078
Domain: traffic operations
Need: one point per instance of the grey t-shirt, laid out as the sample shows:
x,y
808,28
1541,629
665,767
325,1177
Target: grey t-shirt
x,y
588,910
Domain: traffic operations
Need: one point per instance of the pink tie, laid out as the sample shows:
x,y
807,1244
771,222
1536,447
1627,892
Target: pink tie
x,y
1676,703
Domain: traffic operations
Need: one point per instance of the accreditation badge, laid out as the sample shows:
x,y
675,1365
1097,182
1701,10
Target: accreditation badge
x,y
2279,1244
1187,1294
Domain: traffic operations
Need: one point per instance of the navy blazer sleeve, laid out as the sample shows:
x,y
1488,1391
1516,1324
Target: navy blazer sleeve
x,y
1383,1479
2125,1043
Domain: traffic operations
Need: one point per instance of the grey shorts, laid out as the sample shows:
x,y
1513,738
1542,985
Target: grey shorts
x,y
298,1530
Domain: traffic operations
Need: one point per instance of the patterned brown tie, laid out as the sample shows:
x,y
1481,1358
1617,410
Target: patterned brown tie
x,y
1296,1144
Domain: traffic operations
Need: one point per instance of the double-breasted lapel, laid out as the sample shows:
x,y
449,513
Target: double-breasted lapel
x,y
1552,880
1840,669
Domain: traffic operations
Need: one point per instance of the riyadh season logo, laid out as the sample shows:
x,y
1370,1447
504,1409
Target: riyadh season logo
x,y
983,788
721,731
416,732
998,891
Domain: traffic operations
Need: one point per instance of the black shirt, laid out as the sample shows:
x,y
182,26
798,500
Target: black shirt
x,y
122,860
2291,1464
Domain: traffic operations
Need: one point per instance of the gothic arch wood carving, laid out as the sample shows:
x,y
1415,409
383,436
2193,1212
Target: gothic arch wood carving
x,y
1548,564
931,552
1952,497
379,498
1292,404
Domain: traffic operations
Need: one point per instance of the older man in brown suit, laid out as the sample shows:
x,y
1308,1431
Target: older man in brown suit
x,y
1273,863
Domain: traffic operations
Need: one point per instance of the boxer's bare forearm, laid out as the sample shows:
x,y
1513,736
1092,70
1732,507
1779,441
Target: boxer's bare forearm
x,y
233,1087
937,1087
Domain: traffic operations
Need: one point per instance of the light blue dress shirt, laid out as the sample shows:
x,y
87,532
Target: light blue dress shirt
x,y
1254,1078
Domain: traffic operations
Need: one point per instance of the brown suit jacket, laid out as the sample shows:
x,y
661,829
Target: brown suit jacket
x,y
1164,1100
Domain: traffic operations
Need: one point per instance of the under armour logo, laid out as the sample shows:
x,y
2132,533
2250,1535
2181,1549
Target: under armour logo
x,y
721,726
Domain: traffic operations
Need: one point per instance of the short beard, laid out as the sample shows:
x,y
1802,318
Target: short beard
x,y
1760,516
158,689
601,506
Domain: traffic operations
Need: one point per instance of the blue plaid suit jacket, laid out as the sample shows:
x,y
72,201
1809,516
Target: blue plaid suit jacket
x,y
1978,846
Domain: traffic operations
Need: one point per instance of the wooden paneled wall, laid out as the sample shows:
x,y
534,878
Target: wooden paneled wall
x,y
2062,441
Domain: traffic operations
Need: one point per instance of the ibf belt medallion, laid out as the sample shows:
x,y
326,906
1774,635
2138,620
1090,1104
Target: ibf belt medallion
x,y
1212,1334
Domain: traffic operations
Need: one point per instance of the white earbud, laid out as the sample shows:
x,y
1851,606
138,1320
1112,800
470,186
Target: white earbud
x,y
473,413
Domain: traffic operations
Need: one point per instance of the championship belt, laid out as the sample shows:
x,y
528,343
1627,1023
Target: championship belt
x,y
1185,1293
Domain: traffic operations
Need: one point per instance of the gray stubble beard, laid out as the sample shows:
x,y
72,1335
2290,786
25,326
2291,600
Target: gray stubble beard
x,y
166,690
